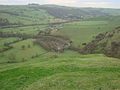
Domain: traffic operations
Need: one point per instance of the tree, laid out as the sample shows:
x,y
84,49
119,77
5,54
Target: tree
x,y
29,46
23,47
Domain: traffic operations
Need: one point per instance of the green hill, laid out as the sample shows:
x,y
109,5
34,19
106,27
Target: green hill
x,y
77,13
34,14
24,15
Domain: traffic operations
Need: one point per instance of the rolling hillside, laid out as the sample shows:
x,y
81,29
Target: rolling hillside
x,y
27,65
24,15
77,13
67,71
34,14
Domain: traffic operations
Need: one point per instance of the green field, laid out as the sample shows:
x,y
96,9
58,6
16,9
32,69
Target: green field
x,y
33,30
84,31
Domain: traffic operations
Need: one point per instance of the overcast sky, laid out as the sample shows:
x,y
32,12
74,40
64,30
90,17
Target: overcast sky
x,y
73,3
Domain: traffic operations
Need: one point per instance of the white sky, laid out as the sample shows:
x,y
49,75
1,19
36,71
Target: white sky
x,y
73,3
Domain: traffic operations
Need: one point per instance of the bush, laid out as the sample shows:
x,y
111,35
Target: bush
x,y
23,47
54,56
29,46
12,57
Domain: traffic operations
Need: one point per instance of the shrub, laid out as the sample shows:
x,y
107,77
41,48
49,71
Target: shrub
x,y
23,47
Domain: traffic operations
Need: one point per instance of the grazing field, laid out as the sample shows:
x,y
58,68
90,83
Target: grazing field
x,y
22,51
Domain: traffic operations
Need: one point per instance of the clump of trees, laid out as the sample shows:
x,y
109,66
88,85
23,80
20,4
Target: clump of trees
x,y
19,35
24,46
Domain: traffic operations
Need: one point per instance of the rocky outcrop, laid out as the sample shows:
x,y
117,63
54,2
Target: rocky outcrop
x,y
114,50
53,43
91,47
107,43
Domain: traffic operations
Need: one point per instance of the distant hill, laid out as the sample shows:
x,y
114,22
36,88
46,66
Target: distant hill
x,y
35,13
23,14
107,43
77,13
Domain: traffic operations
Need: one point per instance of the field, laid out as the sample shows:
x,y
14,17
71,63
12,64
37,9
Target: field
x,y
33,30
28,66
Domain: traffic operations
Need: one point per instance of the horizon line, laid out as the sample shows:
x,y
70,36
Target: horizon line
x,y
56,5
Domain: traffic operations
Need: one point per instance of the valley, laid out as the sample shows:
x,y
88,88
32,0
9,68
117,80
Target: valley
x,y
50,47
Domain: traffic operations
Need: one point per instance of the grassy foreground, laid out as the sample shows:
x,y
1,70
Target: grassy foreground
x,y
68,71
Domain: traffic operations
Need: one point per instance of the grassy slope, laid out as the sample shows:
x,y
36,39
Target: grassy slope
x,y
76,72
19,54
5,40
